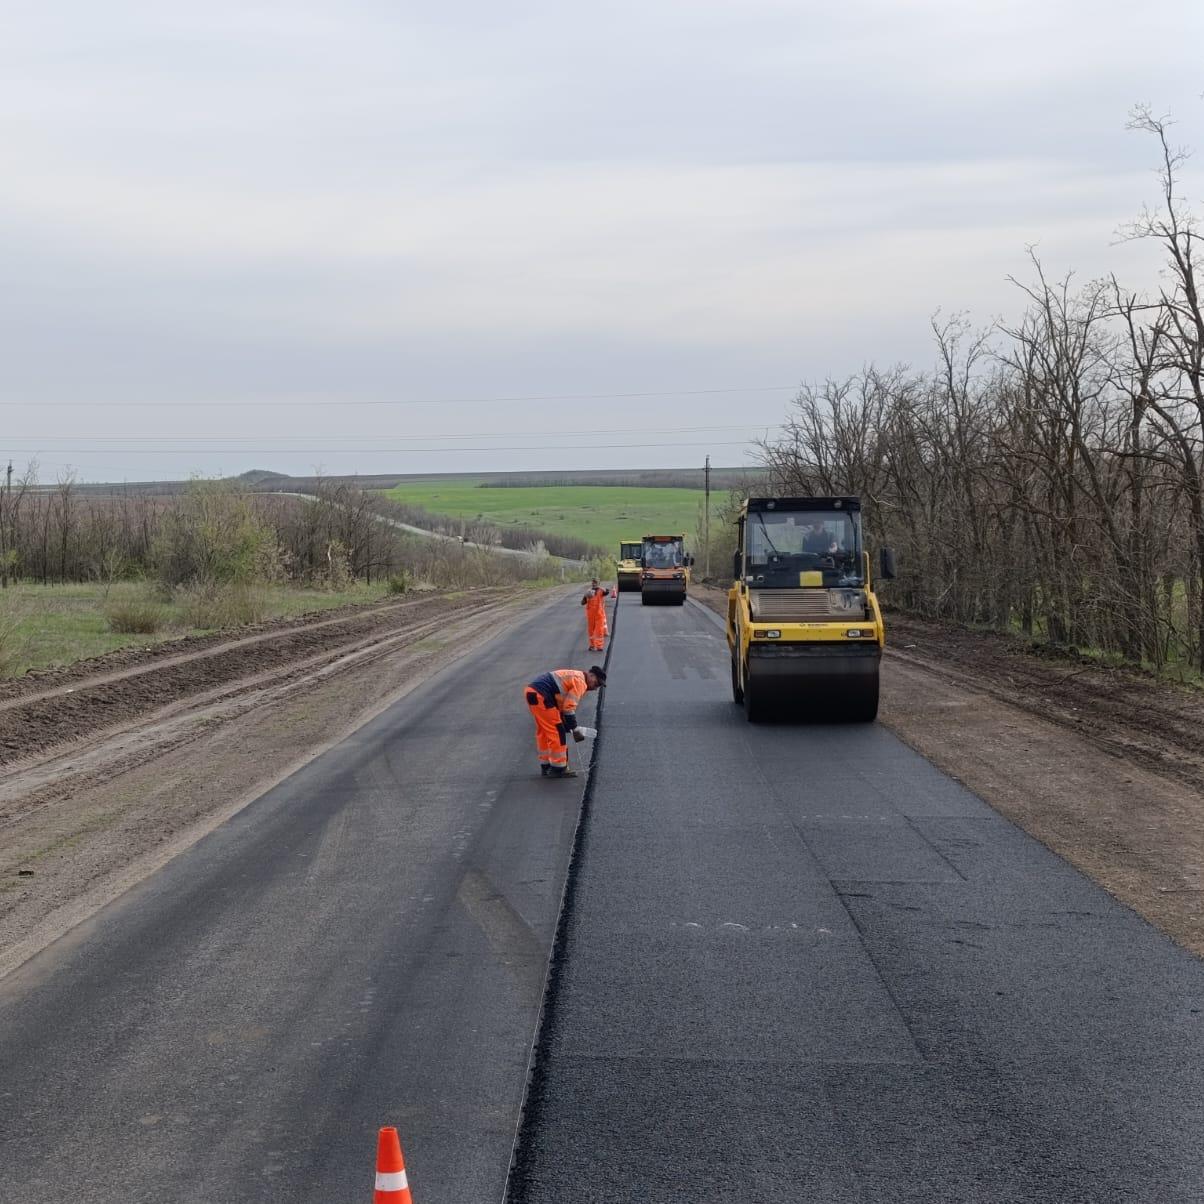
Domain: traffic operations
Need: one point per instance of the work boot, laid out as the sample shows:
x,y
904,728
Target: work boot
x,y
544,770
556,772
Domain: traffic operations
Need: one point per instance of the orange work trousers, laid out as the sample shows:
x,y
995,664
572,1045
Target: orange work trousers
x,y
595,619
549,731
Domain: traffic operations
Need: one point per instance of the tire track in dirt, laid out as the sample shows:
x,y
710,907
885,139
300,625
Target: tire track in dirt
x,y
102,701
114,751
137,656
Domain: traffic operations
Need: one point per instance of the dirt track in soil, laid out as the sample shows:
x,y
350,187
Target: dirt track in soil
x,y
165,747
99,694
1103,766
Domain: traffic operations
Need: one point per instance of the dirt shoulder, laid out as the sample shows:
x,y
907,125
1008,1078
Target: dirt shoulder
x,y
1103,766
194,740
101,693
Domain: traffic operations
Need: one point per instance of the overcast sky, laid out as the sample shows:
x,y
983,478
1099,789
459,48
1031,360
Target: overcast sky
x,y
294,209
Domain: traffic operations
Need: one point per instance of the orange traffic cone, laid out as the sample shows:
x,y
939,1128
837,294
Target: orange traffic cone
x,y
392,1187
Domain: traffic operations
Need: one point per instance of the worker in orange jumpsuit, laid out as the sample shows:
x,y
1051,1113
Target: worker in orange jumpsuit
x,y
553,698
595,616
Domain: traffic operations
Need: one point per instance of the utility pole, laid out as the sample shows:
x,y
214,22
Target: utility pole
x,y
6,524
706,522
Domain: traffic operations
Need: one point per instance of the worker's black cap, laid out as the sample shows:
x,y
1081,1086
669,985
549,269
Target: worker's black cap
x,y
599,673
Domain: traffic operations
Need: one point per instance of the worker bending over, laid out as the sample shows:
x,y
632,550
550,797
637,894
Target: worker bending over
x,y
595,615
553,699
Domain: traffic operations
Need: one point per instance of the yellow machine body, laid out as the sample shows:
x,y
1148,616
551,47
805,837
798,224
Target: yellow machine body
x,y
629,565
804,626
666,569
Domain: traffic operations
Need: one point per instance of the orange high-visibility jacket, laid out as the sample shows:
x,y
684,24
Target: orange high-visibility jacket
x,y
562,689
595,603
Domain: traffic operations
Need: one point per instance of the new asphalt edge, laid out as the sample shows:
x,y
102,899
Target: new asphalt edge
x,y
529,1108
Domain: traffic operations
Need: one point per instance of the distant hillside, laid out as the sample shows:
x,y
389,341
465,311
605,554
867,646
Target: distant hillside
x,y
261,476
264,479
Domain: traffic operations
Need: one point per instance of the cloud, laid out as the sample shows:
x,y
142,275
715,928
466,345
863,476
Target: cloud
x,y
224,199
682,253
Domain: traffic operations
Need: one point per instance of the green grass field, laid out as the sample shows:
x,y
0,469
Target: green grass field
x,y
600,514
46,625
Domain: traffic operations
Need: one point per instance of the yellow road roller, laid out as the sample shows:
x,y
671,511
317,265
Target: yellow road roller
x,y
666,569
803,624
630,565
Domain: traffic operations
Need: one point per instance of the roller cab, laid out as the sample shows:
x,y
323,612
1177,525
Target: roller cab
x,y
630,565
666,569
803,625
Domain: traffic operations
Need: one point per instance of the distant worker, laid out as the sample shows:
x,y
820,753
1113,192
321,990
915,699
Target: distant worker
x,y
595,616
553,699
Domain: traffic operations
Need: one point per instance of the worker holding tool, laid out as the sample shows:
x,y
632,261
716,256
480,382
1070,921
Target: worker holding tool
x,y
553,699
595,616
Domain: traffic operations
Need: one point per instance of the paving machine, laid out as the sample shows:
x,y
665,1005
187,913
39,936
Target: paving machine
x,y
803,624
630,564
666,569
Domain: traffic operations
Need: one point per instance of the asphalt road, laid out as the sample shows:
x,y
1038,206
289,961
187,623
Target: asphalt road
x,y
364,945
801,964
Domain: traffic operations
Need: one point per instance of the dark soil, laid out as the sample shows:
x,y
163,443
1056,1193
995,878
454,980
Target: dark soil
x,y
1128,712
37,681
92,696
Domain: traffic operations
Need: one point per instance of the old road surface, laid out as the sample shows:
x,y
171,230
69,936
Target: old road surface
x,y
802,965
364,945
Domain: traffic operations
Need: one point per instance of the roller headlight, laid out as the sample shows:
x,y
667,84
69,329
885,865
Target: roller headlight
x,y
846,602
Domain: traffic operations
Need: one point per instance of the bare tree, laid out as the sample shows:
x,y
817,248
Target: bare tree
x,y
1176,385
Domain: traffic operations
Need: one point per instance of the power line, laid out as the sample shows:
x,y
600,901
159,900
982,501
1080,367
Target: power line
x,y
431,401
364,451
681,430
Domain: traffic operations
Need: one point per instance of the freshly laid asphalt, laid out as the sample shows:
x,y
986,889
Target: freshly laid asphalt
x,y
364,945
801,964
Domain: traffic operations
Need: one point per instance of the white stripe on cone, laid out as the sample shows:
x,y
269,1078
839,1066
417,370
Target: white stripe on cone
x,y
394,1181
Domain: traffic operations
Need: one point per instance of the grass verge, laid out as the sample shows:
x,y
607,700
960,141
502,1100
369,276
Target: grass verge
x,y
46,625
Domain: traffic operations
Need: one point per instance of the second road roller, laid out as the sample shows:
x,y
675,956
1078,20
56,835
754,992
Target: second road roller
x,y
630,565
666,570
